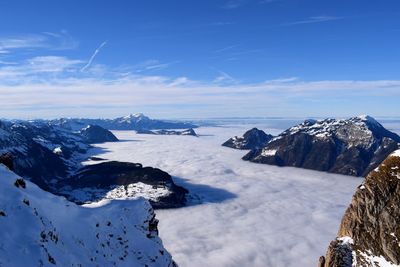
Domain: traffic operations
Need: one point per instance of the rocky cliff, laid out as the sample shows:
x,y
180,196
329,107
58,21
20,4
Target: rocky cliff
x,y
369,234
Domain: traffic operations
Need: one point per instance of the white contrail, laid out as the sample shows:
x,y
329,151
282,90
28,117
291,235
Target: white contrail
x,y
93,56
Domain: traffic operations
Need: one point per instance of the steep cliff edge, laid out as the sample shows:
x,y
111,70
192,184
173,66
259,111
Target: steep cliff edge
x,y
369,234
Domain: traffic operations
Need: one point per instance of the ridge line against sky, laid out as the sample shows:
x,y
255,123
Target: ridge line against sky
x,y
233,58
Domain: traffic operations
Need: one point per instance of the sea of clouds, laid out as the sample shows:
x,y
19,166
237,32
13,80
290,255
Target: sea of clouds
x,y
239,213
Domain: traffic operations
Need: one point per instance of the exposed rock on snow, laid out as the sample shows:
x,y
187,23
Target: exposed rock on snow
x,y
372,222
40,229
93,134
353,147
168,132
252,139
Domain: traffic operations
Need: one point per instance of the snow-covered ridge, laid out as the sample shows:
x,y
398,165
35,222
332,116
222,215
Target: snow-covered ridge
x,y
328,127
40,229
136,121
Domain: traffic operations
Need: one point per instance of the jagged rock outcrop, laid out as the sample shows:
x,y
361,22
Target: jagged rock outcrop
x,y
190,132
369,234
94,134
252,139
40,229
352,147
123,180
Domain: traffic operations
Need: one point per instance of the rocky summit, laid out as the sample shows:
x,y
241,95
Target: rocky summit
x,y
93,134
352,146
369,234
252,139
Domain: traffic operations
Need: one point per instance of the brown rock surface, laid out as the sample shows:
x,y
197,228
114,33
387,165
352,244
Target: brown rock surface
x,y
372,221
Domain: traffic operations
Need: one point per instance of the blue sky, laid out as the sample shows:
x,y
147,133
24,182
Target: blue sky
x,y
199,58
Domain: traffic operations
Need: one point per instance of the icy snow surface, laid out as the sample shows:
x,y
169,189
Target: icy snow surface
x,y
250,214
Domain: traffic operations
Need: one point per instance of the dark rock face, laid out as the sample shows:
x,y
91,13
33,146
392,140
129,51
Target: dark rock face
x,y
351,147
252,139
104,177
94,134
7,160
190,132
131,122
371,222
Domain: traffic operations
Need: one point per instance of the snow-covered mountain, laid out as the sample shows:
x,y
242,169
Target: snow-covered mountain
x,y
40,151
131,122
51,157
369,233
40,229
252,139
168,132
353,146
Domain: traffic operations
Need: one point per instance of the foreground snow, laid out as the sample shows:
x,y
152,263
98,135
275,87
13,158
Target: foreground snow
x,y
40,229
251,214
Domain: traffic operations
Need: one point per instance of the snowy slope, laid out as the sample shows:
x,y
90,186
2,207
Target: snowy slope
x,y
40,229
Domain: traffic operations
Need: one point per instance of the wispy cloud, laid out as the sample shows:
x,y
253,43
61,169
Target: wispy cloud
x,y
153,65
221,23
229,47
45,40
232,4
224,78
93,56
17,42
315,19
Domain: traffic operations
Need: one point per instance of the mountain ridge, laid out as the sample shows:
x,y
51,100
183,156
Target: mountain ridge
x,y
352,146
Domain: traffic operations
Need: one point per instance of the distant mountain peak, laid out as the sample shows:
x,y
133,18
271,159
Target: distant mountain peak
x,y
135,115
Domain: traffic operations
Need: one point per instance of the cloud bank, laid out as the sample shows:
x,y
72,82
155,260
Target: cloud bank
x,y
253,214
